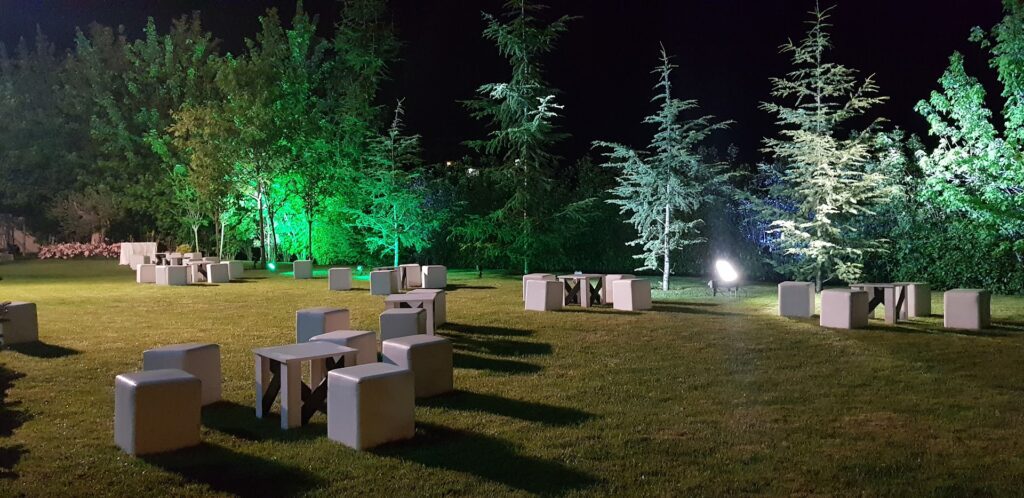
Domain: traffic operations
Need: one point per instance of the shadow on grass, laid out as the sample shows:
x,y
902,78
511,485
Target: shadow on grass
x,y
488,458
240,421
40,349
689,309
595,311
523,410
499,347
235,473
455,287
474,362
10,420
463,328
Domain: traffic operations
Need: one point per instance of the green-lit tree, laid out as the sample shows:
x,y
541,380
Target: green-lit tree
x,y
821,174
394,187
663,187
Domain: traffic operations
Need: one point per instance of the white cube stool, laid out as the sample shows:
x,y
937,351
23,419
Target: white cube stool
x,y
434,277
607,287
302,269
363,341
796,299
428,356
844,308
21,325
137,259
544,295
919,299
211,259
218,273
631,294
191,256
535,276
339,279
312,322
371,404
400,322
145,274
236,270
383,282
202,360
410,276
172,275
156,411
969,309
440,305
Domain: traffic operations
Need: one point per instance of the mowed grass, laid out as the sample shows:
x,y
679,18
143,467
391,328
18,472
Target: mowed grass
x,y
701,396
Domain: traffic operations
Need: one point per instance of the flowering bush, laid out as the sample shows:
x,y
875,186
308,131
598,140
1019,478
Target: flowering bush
x,y
76,250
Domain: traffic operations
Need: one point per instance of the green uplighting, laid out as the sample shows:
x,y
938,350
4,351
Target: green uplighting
x,y
272,266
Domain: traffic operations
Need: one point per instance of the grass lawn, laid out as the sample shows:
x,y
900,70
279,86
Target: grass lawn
x,y
702,396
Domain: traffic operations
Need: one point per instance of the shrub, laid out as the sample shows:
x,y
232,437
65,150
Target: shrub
x,y
77,250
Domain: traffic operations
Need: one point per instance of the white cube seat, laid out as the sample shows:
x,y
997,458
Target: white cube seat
x,y
311,322
544,295
969,309
434,277
236,270
796,299
919,299
631,294
400,322
156,411
137,259
607,287
363,341
339,279
844,308
535,276
440,304
372,404
202,360
383,282
429,357
218,273
172,275
145,274
21,325
302,269
410,276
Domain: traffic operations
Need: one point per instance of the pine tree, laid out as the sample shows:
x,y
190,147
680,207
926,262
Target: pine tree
x,y
822,175
663,187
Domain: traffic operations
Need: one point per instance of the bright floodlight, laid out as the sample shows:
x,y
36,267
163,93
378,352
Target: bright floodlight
x,y
726,273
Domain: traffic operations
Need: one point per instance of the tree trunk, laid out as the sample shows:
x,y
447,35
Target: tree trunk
x,y
395,248
665,270
309,235
220,245
273,233
479,271
195,237
263,230
817,280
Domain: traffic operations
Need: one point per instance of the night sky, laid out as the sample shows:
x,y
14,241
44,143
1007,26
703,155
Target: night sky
x,y
726,50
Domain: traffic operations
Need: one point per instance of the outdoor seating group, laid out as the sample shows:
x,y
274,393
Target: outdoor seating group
x,y
387,280
185,269
851,308
547,292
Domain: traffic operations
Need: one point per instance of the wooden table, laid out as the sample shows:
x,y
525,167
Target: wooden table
x,y
579,290
279,370
894,296
414,300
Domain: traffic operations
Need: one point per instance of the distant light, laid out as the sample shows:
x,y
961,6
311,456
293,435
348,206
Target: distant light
x,y
360,269
272,266
726,273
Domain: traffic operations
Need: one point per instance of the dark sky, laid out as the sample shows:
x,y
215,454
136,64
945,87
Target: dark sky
x,y
726,50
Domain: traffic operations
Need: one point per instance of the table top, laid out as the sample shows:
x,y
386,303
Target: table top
x,y
879,285
313,350
412,296
582,275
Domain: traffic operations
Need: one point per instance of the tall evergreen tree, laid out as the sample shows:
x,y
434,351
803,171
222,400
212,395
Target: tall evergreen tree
x,y
663,187
822,164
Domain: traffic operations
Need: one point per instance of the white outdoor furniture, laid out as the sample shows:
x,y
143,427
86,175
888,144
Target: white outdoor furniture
x,y
279,371
919,299
211,259
363,341
969,309
236,270
156,411
440,304
202,360
892,296
434,277
383,282
175,258
535,276
424,301
302,269
137,259
410,276
582,289
21,323
130,249
312,322
196,271
796,299
370,405
429,358
172,275
145,274
400,322
844,308
631,294
191,256
544,295
606,289
339,279
218,273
